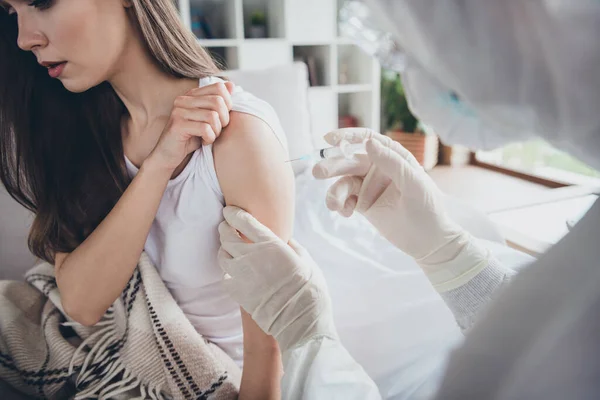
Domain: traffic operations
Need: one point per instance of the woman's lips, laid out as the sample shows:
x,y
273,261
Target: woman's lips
x,y
56,70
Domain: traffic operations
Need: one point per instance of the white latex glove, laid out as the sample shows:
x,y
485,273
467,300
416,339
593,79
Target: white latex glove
x,y
278,284
391,189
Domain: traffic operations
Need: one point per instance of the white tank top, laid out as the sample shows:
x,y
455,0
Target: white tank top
x,y
183,241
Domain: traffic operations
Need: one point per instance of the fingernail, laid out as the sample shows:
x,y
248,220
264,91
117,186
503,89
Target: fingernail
x,y
319,172
349,208
332,203
347,213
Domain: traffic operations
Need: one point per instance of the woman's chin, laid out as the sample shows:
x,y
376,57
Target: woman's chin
x,y
75,86
77,81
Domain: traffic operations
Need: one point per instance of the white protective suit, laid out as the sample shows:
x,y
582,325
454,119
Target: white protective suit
x,y
481,73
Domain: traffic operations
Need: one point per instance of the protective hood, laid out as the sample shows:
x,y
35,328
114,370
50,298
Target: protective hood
x,y
485,73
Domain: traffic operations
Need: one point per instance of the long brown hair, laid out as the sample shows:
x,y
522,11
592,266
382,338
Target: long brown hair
x,y
61,153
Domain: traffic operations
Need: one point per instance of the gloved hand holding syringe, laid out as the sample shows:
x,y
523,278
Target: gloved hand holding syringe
x,y
344,150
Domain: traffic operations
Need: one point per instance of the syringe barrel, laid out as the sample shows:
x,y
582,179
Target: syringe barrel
x,y
350,149
345,149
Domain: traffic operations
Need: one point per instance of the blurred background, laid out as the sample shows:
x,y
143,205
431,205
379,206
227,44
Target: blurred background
x,y
530,190
291,54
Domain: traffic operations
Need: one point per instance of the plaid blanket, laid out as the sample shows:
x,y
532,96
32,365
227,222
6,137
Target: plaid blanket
x,y
144,346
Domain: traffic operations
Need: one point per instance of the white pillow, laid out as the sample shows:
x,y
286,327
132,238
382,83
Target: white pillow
x,y
285,88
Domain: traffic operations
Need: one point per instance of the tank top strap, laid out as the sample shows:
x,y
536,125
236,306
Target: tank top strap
x,y
206,166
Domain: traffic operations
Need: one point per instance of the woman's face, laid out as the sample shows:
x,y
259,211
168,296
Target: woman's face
x,y
80,41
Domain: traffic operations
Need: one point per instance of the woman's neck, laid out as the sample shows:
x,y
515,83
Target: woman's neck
x,y
146,90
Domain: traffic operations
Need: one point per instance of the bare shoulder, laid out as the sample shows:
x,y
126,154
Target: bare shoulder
x,y
250,135
253,174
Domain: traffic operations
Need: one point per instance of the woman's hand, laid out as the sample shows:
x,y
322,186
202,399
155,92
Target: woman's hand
x,y
197,118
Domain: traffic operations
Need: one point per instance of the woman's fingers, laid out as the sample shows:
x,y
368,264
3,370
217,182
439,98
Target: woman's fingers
x,y
208,104
191,105
197,118
209,117
187,129
218,89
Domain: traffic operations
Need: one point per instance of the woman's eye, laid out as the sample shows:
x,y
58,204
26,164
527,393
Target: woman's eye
x,y
41,4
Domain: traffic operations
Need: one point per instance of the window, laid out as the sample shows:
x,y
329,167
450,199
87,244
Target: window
x,y
539,159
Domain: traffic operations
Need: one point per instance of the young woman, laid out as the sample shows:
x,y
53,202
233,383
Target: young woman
x,y
108,114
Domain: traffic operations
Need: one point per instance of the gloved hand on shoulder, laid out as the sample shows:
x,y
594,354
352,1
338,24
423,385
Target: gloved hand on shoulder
x,y
277,283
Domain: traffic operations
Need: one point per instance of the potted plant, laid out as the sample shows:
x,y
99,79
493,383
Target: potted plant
x,y
258,25
401,125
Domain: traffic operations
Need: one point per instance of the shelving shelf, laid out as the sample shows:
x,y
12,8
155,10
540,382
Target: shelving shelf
x,y
354,88
347,80
219,42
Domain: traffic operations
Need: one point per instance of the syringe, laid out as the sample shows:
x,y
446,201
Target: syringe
x,y
345,150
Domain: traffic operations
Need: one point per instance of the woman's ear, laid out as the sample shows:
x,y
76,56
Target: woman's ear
x,y
127,3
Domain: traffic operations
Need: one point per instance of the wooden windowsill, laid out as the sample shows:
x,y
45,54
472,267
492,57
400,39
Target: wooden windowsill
x,y
518,174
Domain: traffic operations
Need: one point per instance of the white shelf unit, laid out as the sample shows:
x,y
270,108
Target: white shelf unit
x,y
348,81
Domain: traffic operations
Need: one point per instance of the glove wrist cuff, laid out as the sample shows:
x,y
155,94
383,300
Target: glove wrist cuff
x,y
296,336
467,258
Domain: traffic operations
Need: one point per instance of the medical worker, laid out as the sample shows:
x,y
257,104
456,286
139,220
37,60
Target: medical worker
x,y
481,73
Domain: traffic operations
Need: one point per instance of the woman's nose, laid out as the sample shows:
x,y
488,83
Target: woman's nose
x,y
30,37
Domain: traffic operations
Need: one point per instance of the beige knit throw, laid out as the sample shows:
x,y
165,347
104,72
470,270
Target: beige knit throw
x,y
144,345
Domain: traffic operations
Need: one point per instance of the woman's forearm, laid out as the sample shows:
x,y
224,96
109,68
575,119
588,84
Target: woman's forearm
x,y
261,377
94,275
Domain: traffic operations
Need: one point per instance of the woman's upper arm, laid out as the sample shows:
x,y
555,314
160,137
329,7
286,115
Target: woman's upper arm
x,y
253,173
